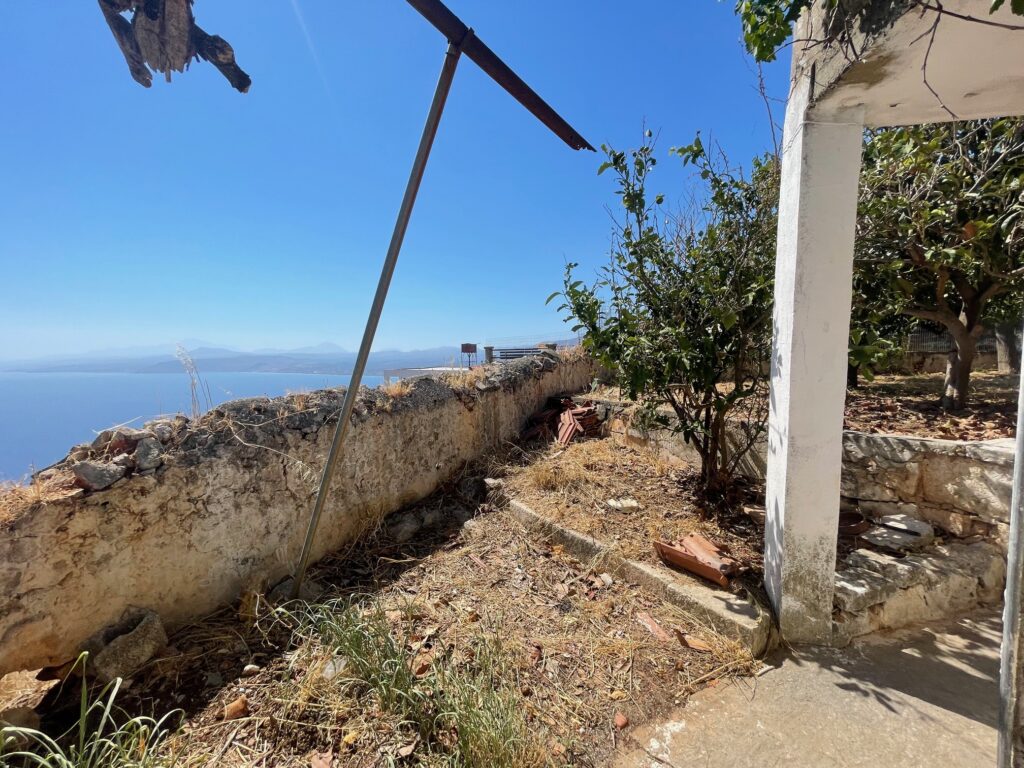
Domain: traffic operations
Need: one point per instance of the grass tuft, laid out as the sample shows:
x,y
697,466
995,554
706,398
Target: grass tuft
x,y
394,391
458,715
466,380
103,737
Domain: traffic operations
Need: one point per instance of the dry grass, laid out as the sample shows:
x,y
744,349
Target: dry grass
x,y
466,380
395,390
300,399
533,651
574,485
17,498
573,354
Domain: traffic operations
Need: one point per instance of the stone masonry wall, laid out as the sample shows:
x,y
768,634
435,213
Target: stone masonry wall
x,y
963,487
181,517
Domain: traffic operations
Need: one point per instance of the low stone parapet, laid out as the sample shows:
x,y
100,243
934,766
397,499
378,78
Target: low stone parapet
x,y
180,518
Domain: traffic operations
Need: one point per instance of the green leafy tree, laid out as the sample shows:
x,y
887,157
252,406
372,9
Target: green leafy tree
x,y
877,327
940,230
682,312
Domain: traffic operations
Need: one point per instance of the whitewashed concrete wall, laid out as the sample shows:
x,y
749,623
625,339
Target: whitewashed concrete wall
x,y
227,508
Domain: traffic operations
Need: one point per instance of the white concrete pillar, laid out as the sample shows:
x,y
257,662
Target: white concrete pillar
x,y
813,276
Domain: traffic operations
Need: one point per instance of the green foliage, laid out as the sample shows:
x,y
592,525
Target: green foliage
x,y
940,228
876,330
767,24
103,737
682,311
1017,6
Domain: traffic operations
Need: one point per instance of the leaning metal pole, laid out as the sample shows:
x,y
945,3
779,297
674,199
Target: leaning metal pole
x,y
1011,748
444,84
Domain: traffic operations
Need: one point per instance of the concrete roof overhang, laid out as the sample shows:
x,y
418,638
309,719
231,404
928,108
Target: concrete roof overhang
x,y
975,69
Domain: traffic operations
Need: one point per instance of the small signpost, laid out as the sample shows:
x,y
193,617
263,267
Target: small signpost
x,y
469,354
461,40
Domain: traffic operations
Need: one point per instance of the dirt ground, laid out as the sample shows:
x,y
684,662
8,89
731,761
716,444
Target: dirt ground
x,y
578,647
909,405
581,486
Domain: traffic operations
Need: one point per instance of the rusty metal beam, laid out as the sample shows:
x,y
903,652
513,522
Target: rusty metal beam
x,y
473,48
461,40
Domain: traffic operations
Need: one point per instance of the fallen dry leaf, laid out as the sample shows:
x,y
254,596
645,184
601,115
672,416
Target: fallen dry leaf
x,y
237,708
695,643
321,760
350,738
420,665
653,627
536,653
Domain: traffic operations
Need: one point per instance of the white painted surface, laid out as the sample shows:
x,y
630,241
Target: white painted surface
x,y
976,69
814,262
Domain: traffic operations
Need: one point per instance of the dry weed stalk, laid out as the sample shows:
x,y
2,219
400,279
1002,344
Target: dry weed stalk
x,y
395,390
466,380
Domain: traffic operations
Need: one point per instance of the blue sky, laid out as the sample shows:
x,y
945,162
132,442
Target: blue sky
x,y
136,217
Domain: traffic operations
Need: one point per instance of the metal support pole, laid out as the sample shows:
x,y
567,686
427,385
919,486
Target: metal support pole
x,y
1011,747
444,84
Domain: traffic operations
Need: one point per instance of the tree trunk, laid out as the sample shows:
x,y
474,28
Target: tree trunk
x,y
1007,349
956,388
852,376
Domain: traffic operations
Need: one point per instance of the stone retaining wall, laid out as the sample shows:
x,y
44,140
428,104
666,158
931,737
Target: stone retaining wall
x,y
963,487
180,518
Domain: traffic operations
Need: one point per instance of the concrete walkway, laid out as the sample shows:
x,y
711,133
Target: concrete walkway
x,y
913,698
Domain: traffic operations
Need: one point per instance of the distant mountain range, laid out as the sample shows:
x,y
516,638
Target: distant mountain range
x,y
324,358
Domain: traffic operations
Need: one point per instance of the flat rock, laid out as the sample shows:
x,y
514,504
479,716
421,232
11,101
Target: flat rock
x,y
858,588
96,475
120,650
900,533
896,569
623,504
148,453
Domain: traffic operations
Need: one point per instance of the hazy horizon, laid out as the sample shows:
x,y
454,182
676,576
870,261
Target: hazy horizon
x,y
323,347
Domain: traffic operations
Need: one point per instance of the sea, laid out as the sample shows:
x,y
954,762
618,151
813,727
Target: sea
x,y
43,414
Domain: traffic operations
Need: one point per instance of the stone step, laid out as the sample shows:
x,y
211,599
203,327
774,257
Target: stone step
x,y
859,588
900,533
875,590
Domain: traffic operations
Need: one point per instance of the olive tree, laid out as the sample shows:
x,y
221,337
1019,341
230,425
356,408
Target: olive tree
x,y
682,312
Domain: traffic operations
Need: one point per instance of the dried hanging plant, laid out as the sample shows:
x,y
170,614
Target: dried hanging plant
x,y
162,36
